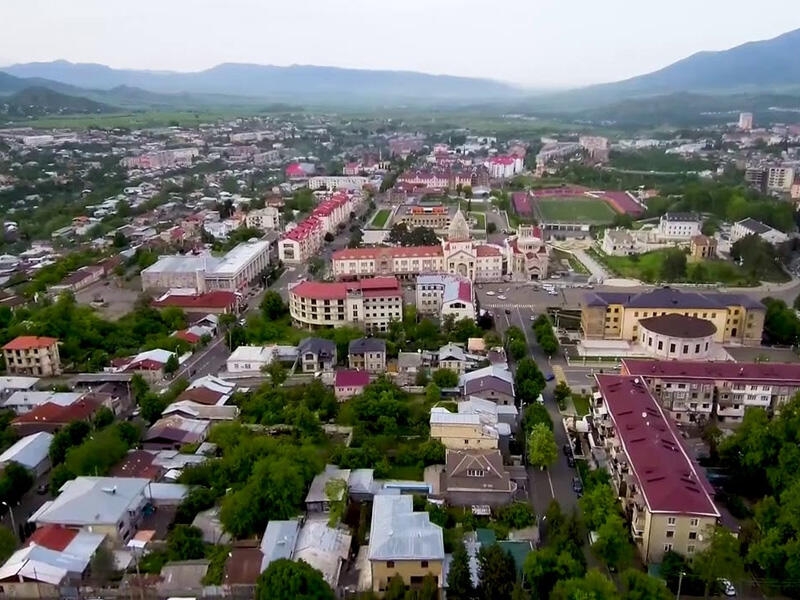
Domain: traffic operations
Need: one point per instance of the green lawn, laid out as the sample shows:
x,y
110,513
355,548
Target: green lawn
x,y
647,267
380,218
480,220
581,404
575,210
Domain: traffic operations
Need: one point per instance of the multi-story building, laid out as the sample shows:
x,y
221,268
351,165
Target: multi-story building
x,y
303,242
693,391
502,167
436,179
367,354
738,318
595,146
370,304
458,254
445,295
750,226
780,179
679,226
403,542
528,255
163,159
745,121
340,182
756,177
664,494
32,355
618,242
265,219
234,271
464,431
702,247
434,217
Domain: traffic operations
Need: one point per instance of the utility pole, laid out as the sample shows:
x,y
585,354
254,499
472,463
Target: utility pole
x,y
11,515
680,581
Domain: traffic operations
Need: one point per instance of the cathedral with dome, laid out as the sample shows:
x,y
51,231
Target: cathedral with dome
x,y
522,257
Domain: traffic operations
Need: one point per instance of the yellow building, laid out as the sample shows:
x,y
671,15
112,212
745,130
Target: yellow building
x,y
32,355
463,431
702,247
661,490
738,318
403,542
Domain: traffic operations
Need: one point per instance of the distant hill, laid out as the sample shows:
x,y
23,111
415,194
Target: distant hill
x,y
38,101
296,82
763,66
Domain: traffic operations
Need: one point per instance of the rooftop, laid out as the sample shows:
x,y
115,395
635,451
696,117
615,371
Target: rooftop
x,y
754,226
316,492
399,533
278,541
30,342
393,252
775,373
370,344
668,478
236,259
29,451
375,287
215,299
668,297
681,326
681,216
351,378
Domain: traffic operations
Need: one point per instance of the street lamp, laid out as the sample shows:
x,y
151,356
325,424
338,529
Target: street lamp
x,y
11,514
680,581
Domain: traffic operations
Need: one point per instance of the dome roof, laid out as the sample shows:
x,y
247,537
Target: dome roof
x,y
681,326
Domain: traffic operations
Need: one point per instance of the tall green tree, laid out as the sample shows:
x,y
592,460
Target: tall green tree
x,y
597,504
542,449
593,586
673,267
185,542
720,558
641,586
612,544
496,573
459,580
286,579
445,378
272,306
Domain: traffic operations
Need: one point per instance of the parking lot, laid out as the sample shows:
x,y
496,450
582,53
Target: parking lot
x,y
118,297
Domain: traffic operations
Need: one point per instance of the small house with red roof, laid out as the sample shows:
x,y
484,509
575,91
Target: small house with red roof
x,y
349,383
51,417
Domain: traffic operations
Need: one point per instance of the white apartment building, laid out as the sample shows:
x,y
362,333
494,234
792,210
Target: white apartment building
x,y
780,179
298,245
679,226
337,182
750,226
265,219
445,294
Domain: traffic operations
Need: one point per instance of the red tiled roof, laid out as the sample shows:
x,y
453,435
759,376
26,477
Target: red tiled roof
x,y
53,537
53,413
668,478
351,378
201,395
486,250
397,252
375,287
465,291
215,299
187,336
148,364
29,342
774,373
138,463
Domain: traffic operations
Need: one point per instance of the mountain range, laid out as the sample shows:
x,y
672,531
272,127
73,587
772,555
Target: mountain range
x,y
750,70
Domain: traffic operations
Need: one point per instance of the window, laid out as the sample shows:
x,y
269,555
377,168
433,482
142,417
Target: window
x,y
694,522
390,564
670,534
475,473
686,348
672,347
660,345
423,564
690,549
667,547
692,535
670,520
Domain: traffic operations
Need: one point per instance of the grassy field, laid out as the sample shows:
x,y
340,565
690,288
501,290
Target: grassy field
x,y
480,220
380,218
647,267
575,210
581,404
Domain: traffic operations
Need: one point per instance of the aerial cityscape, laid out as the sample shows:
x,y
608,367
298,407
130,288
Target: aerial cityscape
x,y
282,326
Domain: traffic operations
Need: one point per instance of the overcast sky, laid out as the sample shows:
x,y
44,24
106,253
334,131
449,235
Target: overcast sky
x,y
540,43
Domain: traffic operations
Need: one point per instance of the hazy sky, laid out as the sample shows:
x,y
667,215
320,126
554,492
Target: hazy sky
x,y
532,42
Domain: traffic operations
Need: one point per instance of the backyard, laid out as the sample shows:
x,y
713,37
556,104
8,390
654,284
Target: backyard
x,y
574,210
380,218
647,267
480,220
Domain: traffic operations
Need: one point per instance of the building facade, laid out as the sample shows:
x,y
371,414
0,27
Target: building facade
x,y
32,355
679,226
662,491
265,219
369,304
445,295
677,337
615,315
780,179
303,242
694,391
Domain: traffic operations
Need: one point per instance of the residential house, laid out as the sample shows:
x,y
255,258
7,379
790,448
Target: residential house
x,y
316,354
32,355
249,359
54,558
174,431
9,385
454,358
22,402
664,494
32,452
349,383
149,364
403,542
367,354
750,226
702,247
476,477
618,242
317,499
463,430
679,226
495,383
409,364
52,417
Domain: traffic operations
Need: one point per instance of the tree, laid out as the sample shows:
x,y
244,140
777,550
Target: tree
x,y
491,227
336,493
561,393
329,237
547,566
432,392
151,407
286,579
597,504
14,482
517,349
272,306
421,378
459,580
102,565
673,267
276,371
496,573
356,238
641,586
612,542
395,588
593,586
8,543
542,449
172,365
445,378
139,387
103,417
185,542
528,381
720,558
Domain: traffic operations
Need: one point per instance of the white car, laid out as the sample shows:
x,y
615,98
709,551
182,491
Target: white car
x,y
727,587
501,297
490,293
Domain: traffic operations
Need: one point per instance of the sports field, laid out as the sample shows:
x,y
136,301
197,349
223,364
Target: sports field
x,y
575,209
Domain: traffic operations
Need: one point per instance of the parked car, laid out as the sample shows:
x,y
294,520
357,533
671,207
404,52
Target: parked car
x,y
577,486
567,449
726,587
549,377
42,489
570,461
508,311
